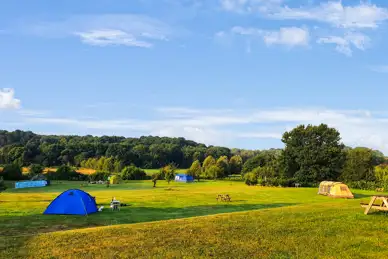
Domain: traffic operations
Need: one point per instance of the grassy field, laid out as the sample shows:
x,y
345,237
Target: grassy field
x,y
185,221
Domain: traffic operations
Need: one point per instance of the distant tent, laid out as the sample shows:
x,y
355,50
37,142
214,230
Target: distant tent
x,y
335,189
114,179
72,202
183,178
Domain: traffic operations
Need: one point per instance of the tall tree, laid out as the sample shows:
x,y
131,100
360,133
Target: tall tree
x,y
209,161
195,170
312,153
223,164
235,164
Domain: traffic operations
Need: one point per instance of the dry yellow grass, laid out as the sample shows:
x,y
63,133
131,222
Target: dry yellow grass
x,y
86,171
53,169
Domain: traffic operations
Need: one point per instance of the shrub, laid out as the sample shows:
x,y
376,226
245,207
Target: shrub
x,y
287,182
264,172
214,172
133,173
99,176
363,185
250,179
34,170
12,172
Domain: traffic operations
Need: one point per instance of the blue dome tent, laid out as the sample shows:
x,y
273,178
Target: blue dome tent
x,y
72,202
183,178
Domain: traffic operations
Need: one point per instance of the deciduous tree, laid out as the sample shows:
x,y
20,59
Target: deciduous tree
x,y
312,153
195,170
235,164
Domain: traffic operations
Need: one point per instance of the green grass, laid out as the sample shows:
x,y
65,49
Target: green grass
x,y
185,221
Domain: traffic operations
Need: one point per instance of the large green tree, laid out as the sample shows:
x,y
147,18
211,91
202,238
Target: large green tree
x,y
235,164
208,162
223,164
312,153
269,158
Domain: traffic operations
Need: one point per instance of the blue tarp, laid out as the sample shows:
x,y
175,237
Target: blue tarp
x,y
29,184
72,202
183,178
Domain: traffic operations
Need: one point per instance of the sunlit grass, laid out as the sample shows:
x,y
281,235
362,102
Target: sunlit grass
x,y
259,222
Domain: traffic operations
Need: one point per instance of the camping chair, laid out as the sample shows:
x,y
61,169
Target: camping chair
x,y
115,205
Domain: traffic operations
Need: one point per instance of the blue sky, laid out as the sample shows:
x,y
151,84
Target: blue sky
x,y
236,73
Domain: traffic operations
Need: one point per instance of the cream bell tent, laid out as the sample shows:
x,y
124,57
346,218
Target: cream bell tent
x,y
335,189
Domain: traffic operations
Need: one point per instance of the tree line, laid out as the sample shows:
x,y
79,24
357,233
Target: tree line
x,y
311,154
25,148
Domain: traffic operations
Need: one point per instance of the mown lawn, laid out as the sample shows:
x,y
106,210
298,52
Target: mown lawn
x,y
259,222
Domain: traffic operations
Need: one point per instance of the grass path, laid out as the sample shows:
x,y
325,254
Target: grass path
x,y
184,220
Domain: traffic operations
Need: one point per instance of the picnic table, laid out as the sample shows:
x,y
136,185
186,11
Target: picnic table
x,y
383,206
222,197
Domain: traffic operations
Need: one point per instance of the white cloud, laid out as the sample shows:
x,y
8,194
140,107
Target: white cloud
x,y
289,36
363,15
226,127
109,29
111,37
244,6
352,21
8,100
344,44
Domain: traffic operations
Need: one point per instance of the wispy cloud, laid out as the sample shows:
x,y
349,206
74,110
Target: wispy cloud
x,y
111,37
8,100
362,15
351,22
287,36
249,6
335,13
109,29
291,36
345,44
380,69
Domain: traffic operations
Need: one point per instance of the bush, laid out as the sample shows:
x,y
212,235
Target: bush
x,y
363,185
250,179
34,170
287,182
133,173
66,173
214,172
12,172
99,176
